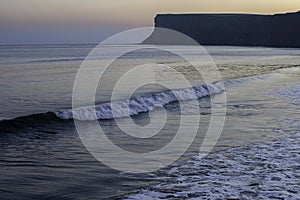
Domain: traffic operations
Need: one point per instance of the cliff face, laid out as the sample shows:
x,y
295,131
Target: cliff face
x,y
282,30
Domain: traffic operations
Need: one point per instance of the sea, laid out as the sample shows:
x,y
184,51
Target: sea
x,y
257,155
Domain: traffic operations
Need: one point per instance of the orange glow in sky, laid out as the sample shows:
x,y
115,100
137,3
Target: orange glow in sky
x,y
131,12
90,21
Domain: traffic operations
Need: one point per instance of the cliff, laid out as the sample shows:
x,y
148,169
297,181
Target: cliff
x,y
280,30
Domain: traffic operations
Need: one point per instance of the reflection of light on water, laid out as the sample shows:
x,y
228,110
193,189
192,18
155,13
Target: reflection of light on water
x,y
259,170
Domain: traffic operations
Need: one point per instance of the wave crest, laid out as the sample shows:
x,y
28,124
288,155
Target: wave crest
x,y
139,104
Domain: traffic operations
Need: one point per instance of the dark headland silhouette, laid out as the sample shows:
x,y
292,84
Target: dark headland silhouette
x,y
279,30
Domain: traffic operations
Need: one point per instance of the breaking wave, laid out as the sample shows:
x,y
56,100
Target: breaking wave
x,y
140,104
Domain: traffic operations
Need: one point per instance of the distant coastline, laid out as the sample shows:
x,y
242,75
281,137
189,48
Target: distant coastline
x,y
279,30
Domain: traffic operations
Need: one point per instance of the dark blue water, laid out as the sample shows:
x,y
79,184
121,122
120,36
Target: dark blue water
x,y
257,156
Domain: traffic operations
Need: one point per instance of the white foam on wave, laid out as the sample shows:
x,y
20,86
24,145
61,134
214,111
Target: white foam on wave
x,y
140,104
291,93
257,171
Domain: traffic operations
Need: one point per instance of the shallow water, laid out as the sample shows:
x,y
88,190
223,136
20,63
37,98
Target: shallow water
x,y
264,162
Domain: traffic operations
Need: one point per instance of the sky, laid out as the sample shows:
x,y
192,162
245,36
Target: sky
x,y
91,21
